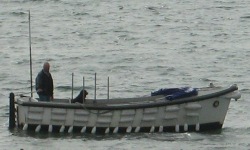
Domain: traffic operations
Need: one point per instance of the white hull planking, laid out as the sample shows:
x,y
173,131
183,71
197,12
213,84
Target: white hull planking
x,y
185,114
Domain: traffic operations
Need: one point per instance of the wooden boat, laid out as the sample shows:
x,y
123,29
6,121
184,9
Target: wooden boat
x,y
204,111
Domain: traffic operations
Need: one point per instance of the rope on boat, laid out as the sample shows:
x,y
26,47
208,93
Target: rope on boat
x,y
85,108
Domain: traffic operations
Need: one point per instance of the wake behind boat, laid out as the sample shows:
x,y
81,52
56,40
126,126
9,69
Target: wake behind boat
x,y
204,109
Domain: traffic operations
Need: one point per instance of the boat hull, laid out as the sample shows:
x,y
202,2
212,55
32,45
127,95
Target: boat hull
x,y
151,114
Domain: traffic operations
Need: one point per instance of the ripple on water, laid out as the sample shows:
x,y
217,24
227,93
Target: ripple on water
x,y
141,47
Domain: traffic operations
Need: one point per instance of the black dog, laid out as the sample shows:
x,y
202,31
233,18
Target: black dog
x,y
80,98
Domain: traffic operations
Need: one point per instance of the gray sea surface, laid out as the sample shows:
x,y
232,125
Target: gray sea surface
x,y
141,46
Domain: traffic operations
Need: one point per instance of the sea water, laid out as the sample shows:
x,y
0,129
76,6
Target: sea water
x,y
141,46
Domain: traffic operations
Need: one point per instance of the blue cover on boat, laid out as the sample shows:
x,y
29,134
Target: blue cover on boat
x,y
176,93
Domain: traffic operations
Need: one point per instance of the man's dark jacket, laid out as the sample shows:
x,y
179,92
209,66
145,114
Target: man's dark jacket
x,y
45,82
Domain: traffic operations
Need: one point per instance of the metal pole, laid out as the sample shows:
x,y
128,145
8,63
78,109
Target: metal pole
x,y
31,86
72,86
83,89
108,89
95,87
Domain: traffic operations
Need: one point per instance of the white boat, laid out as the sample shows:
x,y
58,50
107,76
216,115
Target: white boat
x,y
204,111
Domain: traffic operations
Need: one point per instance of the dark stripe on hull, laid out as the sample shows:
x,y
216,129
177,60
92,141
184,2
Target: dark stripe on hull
x,y
101,130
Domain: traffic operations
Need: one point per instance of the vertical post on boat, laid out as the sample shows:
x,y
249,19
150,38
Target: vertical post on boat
x,y
31,86
108,89
83,90
95,88
72,90
12,122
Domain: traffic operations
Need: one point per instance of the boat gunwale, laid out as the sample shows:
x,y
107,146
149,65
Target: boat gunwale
x,y
129,106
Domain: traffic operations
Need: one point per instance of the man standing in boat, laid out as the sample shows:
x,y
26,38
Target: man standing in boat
x,y
44,84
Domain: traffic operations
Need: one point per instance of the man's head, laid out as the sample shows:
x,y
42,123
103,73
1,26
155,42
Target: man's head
x,y
46,67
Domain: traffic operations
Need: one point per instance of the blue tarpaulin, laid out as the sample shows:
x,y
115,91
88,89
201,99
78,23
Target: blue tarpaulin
x,y
176,93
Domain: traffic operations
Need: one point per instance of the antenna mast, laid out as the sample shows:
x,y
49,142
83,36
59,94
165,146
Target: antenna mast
x,y
31,86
